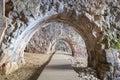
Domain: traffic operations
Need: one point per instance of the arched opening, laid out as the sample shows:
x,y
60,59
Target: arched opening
x,y
63,46
67,43
91,19
54,34
80,27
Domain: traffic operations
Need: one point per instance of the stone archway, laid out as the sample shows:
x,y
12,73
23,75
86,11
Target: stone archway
x,y
25,19
89,39
78,24
65,41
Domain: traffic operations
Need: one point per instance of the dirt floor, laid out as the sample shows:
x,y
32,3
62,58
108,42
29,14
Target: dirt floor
x,y
35,63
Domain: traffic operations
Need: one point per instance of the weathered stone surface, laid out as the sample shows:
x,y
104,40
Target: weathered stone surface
x,y
2,28
42,39
10,67
92,19
1,8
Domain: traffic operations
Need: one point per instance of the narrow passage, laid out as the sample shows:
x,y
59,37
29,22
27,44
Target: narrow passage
x,y
59,68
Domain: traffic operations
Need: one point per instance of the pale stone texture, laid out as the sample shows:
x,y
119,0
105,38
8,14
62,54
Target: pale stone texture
x,y
2,27
92,19
1,8
43,37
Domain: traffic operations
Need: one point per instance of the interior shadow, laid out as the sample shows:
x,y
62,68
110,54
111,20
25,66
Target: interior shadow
x,y
60,67
39,70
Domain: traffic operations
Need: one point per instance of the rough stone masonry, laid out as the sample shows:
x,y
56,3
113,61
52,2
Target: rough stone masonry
x,y
97,21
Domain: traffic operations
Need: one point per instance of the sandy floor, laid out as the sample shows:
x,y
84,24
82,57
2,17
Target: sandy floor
x,y
31,70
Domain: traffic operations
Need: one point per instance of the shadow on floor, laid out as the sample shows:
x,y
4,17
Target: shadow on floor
x,y
60,67
38,71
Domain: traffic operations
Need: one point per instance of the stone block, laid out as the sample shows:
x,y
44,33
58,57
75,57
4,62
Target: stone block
x,y
2,23
97,17
22,62
101,73
10,67
2,27
104,67
101,58
117,75
1,8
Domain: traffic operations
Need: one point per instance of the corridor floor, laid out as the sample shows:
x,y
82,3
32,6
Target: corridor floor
x,y
59,68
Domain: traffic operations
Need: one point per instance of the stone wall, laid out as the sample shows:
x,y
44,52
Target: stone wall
x,y
1,9
2,28
92,19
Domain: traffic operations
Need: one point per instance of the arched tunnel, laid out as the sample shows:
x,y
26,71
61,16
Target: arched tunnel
x,y
43,26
